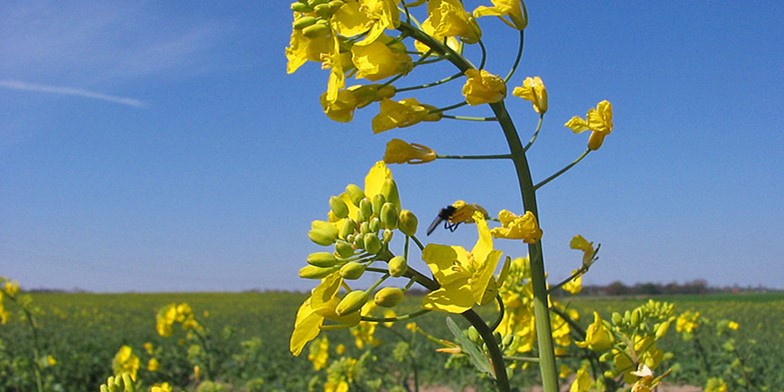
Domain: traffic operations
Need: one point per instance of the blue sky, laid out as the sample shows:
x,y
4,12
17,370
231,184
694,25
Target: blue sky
x,y
160,146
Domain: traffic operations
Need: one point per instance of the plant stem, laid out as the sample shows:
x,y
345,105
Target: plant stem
x,y
497,156
496,356
562,171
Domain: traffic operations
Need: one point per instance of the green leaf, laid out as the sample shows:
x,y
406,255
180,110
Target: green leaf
x,y
478,358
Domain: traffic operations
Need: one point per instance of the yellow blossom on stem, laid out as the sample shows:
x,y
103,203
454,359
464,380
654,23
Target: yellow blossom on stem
x,y
319,353
687,322
575,285
483,87
598,336
465,277
533,90
381,59
464,212
733,325
598,120
516,227
582,382
512,12
579,242
382,14
402,114
400,151
448,18
125,361
302,49
355,97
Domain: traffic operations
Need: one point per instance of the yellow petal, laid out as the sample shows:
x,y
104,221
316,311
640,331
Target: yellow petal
x,y
374,181
306,327
454,298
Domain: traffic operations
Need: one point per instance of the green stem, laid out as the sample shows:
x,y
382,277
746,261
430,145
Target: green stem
x,y
426,85
496,156
536,133
517,58
465,118
562,171
547,367
397,318
496,356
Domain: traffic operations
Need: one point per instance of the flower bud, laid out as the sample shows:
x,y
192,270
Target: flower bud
x,y
304,21
322,259
316,30
338,207
636,314
344,249
389,190
365,210
314,3
472,334
374,225
372,243
389,297
352,270
662,329
397,266
617,318
323,233
389,215
378,202
349,227
351,303
359,241
407,223
323,10
300,7
313,272
355,194
386,236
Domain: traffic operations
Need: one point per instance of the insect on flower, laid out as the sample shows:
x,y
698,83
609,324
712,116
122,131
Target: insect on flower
x,y
443,216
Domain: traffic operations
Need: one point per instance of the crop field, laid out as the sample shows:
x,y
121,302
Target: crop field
x,y
247,336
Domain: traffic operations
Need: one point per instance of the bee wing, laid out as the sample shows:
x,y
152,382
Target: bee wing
x,y
439,218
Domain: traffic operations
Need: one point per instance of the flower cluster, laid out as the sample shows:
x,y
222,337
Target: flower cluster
x,y
176,314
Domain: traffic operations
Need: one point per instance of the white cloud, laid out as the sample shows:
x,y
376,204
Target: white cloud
x,y
62,90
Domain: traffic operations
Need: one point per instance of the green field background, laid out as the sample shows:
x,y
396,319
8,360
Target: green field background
x,y
249,334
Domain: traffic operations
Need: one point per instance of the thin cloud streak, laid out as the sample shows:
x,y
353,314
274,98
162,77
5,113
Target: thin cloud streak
x,y
62,90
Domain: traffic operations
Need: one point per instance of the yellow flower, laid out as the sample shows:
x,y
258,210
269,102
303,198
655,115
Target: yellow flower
x,y
153,365
465,278
514,10
733,325
598,336
483,87
51,361
687,322
599,121
516,227
400,151
302,49
125,361
402,114
575,285
583,381
448,18
715,384
464,212
382,14
11,288
164,387
381,59
340,349
355,97
533,90
579,242
148,347
319,353
334,61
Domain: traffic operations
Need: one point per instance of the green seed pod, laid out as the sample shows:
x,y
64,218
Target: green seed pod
x,y
372,244
313,272
322,259
351,303
389,190
323,233
389,297
304,21
365,210
300,7
344,249
508,339
338,207
388,215
407,223
352,270
398,266
349,227
355,194
378,202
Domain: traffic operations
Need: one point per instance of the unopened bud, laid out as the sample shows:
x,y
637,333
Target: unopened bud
x,y
314,3
300,7
374,225
355,194
304,21
365,210
472,334
636,314
389,190
386,236
349,227
617,318
378,202
338,207
407,223
397,266
322,259
352,270
323,233
389,297
323,10
351,303
372,243
662,329
316,30
344,249
389,215
313,272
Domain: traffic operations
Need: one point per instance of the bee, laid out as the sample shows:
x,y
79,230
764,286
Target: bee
x,y
443,216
